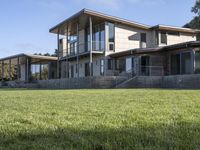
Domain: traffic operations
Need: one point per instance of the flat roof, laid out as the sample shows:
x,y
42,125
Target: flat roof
x,y
120,20
50,58
191,44
173,28
100,15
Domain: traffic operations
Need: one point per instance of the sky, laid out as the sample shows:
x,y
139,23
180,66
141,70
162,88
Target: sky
x,y
25,24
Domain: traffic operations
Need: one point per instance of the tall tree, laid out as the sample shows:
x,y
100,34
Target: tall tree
x,y
195,22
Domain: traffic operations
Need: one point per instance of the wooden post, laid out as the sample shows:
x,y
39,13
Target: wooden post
x,y
40,71
58,50
77,50
18,69
2,69
27,69
10,69
91,46
67,68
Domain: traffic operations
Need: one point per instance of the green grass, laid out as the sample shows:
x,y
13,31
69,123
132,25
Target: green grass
x,y
100,119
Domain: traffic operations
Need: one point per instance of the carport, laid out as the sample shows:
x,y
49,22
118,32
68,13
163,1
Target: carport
x,y
26,67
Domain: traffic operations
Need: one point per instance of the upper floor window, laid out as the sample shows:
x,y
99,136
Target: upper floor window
x,y
143,40
174,33
111,37
163,36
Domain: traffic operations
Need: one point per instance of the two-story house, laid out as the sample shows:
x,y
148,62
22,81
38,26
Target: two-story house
x,y
95,44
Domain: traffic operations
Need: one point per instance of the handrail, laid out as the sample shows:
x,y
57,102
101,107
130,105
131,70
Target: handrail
x,y
73,49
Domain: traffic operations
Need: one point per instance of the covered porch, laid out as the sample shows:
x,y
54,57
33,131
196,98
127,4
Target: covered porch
x,y
178,59
25,67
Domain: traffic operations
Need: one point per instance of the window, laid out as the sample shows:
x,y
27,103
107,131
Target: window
x,y
61,41
163,38
87,69
98,38
76,68
110,64
111,36
143,37
175,64
181,63
145,61
174,33
197,62
102,67
186,63
72,71
143,40
102,37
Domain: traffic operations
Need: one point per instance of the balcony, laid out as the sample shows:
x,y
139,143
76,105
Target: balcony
x,y
83,48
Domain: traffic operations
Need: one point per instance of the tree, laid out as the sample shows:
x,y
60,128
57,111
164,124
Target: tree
x,y
195,22
196,8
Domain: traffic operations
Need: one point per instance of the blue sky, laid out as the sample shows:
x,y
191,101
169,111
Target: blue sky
x,y
24,24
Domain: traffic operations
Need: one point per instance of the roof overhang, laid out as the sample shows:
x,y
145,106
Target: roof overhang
x,y
177,29
34,58
192,44
85,13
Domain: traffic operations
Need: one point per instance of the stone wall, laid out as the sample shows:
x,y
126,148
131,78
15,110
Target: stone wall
x,y
172,82
82,83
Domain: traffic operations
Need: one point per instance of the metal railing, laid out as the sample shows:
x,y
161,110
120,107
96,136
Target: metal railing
x,y
73,48
151,71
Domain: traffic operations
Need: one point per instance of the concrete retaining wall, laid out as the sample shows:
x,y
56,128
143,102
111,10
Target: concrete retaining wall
x,y
17,84
82,83
175,82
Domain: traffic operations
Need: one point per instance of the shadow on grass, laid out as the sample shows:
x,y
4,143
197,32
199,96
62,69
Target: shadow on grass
x,y
183,136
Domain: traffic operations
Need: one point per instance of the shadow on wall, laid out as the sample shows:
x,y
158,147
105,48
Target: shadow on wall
x,y
134,37
178,135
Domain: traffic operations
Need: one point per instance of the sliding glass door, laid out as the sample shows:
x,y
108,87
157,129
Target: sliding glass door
x,y
181,63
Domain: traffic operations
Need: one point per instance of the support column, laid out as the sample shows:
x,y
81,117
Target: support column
x,y
77,50
10,69
58,50
67,67
2,69
18,69
40,71
28,69
91,46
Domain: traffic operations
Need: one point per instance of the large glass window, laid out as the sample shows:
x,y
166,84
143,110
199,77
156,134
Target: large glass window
x,y
197,62
145,61
111,32
175,64
186,63
102,37
163,38
102,67
111,36
98,38
143,40
110,64
181,63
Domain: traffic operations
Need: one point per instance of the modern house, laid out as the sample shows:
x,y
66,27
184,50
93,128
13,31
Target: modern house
x,y
95,44
92,44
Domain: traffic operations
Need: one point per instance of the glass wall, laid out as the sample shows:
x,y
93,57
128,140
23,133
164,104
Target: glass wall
x,y
111,36
175,64
98,38
181,63
197,62
39,72
186,63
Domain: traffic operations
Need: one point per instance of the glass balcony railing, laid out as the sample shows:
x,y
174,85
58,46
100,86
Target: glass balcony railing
x,y
73,49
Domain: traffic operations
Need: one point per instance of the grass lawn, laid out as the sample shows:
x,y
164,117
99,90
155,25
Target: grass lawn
x,y
99,119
